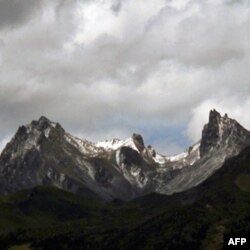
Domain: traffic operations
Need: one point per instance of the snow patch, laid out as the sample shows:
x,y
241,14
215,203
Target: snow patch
x,y
115,144
178,157
46,132
195,147
189,157
135,171
62,177
160,159
84,146
53,124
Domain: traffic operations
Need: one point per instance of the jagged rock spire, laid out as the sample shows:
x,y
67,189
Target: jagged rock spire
x,y
138,140
220,130
210,132
214,116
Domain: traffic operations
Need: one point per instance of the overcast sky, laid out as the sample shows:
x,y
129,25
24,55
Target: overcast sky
x,y
108,68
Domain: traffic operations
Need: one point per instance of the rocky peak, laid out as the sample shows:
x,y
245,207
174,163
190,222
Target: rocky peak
x,y
214,117
44,119
44,126
32,135
220,131
151,151
212,131
37,127
41,124
138,141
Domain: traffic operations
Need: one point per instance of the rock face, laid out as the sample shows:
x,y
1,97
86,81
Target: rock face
x,y
221,131
138,141
222,137
211,132
43,153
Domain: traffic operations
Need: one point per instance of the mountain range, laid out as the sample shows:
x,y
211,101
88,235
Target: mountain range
x,y
43,153
62,192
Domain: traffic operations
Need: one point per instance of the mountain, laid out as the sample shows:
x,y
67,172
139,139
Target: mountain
x,y
199,218
222,138
43,153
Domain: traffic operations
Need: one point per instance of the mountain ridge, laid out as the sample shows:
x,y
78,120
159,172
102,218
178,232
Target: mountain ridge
x,y
43,153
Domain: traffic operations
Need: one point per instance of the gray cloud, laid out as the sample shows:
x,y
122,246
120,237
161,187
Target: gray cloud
x,y
14,13
116,6
103,70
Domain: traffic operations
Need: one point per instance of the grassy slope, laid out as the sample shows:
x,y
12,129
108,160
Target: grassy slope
x,y
197,218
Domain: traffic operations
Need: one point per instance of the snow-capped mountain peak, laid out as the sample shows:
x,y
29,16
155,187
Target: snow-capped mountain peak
x,y
135,142
115,144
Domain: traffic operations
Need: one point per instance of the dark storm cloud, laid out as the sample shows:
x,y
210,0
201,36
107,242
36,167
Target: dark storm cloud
x,y
116,6
15,13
